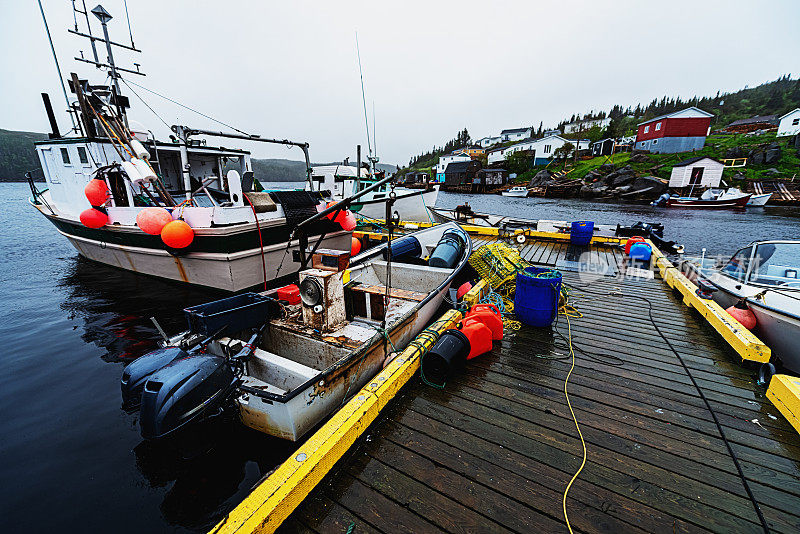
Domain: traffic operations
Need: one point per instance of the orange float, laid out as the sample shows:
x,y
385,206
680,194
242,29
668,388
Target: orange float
x,y
177,234
93,218
96,192
743,314
355,246
153,220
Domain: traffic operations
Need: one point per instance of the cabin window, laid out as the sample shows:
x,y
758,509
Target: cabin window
x,y
658,126
65,156
646,129
738,264
82,156
776,264
547,148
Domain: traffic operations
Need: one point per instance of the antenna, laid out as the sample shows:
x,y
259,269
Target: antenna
x,y
374,135
58,68
363,97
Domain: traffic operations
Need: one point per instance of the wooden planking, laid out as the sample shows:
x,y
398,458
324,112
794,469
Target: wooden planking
x,y
495,449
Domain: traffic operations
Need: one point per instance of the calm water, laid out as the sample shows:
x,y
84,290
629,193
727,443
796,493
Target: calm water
x,y
69,456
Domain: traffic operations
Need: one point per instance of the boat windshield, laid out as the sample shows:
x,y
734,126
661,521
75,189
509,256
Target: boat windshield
x,y
738,264
776,264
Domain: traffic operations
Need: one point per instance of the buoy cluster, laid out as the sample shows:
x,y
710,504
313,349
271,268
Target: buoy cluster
x,y
158,221
97,194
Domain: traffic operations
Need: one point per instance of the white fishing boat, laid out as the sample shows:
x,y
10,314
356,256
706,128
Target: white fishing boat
x,y
284,377
236,235
516,191
755,200
345,180
764,275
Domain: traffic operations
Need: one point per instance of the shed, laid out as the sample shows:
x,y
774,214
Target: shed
x,y
492,176
789,124
603,147
462,172
759,122
700,171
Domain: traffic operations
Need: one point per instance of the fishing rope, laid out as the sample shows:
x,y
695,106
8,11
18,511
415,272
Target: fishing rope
x,y
731,452
260,240
577,427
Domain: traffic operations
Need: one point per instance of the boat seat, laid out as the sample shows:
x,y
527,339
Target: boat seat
x,y
394,292
262,202
271,368
263,386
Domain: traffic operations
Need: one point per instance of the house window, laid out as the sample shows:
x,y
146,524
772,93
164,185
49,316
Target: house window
x,y
547,148
646,129
65,156
795,122
655,141
658,126
82,155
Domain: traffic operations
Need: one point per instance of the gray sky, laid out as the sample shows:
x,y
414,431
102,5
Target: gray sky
x,y
289,69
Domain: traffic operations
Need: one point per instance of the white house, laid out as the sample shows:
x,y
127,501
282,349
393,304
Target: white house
x,y
498,154
542,149
700,171
582,126
790,123
444,161
488,141
516,134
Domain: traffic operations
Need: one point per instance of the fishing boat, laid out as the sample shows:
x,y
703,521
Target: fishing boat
x,y
516,191
709,200
285,375
113,189
764,276
345,180
756,200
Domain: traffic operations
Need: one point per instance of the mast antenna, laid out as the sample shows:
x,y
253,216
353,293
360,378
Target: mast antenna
x,y
58,69
363,98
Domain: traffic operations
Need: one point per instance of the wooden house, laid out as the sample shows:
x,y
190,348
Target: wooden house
x,y
462,172
762,122
700,171
789,124
682,131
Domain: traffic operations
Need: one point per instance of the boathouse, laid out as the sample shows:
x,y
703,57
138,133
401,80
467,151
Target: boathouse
x,y
493,176
701,171
446,160
789,124
462,172
681,131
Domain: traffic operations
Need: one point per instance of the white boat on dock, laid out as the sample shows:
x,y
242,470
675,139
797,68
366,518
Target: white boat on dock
x,y
516,191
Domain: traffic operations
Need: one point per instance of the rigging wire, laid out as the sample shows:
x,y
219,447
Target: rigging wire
x,y
363,96
129,23
186,107
58,67
145,103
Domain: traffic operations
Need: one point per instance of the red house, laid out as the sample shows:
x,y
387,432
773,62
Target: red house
x,y
681,131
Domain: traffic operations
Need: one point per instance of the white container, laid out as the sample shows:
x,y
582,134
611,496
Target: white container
x,y
145,170
139,150
132,171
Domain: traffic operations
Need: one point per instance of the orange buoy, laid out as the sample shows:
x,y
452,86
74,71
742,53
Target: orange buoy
x,y
355,246
153,220
630,242
348,222
330,205
177,234
743,314
96,192
93,218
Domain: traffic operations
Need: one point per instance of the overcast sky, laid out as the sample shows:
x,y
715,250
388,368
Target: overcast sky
x,y
289,69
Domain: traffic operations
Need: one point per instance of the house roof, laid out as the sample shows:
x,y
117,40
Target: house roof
x,y
758,119
668,115
458,166
793,111
690,161
516,130
492,169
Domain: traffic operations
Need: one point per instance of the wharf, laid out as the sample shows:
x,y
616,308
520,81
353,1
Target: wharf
x,y
494,450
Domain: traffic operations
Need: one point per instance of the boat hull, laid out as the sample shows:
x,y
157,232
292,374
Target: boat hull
x,y
740,202
759,200
411,204
519,194
220,258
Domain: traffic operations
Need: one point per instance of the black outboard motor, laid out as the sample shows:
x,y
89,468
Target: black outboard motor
x,y
192,389
186,390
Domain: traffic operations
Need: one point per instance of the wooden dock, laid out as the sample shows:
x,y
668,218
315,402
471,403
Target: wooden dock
x,y
494,450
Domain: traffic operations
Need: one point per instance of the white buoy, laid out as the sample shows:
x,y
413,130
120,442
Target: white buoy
x,y
132,171
139,150
145,171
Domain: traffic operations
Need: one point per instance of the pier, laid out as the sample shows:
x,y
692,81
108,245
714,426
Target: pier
x,y
495,449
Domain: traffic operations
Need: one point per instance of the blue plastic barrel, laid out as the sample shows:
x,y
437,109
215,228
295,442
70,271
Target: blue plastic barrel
x,y
536,299
449,249
407,247
581,232
640,251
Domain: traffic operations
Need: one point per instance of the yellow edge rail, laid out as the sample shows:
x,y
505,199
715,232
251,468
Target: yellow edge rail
x,y
747,345
492,231
271,502
784,392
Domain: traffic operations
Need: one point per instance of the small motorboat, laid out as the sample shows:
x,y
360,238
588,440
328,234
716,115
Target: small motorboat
x,y
714,199
282,367
516,191
764,276
755,200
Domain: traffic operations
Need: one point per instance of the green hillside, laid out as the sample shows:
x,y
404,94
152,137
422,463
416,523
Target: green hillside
x,y
17,155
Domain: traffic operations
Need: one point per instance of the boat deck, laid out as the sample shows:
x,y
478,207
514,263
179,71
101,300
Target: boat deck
x,y
495,449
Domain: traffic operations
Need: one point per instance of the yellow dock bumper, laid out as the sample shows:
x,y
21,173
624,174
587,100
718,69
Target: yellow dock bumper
x,y
744,342
784,392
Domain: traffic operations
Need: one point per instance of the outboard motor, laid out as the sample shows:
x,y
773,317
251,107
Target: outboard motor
x,y
137,372
186,390
660,201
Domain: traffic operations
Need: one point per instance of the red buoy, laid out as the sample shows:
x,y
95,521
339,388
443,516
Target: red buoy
x,y
463,290
348,222
93,218
355,246
177,234
742,313
153,220
96,192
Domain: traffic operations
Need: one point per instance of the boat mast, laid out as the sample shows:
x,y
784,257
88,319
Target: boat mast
x,y
58,69
104,16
